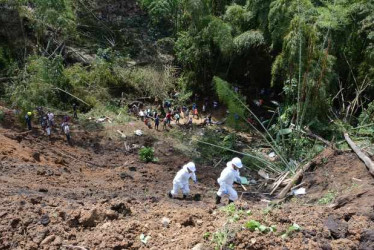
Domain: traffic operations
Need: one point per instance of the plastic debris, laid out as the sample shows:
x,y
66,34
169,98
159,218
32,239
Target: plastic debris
x,y
263,174
138,132
299,191
271,155
244,180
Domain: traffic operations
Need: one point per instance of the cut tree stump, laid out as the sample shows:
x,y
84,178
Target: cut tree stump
x,y
368,162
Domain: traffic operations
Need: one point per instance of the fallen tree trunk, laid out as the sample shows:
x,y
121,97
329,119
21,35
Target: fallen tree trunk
x,y
369,164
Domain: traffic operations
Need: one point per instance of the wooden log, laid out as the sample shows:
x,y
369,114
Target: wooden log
x,y
317,160
299,173
279,182
369,164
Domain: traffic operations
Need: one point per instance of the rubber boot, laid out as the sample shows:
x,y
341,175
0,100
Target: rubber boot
x,y
170,195
218,199
230,201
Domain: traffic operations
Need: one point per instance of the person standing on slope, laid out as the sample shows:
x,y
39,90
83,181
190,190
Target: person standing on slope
x,y
181,180
28,120
227,178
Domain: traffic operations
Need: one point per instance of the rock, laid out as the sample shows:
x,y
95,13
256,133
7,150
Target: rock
x,y
57,241
197,197
188,222
36,200
165,222
36,156
367,240
31,245
121,208
199,222
124,176
14,223
43,190
111,215
199,246
132,169
337,228
326,246
40,235
73,218
89,218
48,240
44,220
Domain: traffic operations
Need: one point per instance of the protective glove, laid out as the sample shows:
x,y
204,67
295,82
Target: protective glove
x,y
225,192
239,180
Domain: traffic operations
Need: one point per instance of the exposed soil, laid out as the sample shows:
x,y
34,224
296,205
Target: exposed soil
x,y
96,194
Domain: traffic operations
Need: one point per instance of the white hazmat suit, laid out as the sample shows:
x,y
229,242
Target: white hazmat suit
x,y
181,179
227,178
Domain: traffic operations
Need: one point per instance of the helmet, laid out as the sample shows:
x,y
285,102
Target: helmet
x,y
191,166
237,162
29,113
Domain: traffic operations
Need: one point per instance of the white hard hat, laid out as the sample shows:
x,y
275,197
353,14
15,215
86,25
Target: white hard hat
x,y
191,166
237,162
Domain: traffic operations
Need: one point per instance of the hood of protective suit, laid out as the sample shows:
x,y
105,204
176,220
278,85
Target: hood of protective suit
x,y
236,161
191,166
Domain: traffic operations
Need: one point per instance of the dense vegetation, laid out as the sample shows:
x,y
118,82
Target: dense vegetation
x,y
316,55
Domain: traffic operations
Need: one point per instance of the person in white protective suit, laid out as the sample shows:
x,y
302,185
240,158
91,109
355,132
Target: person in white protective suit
x,y
227,178
181,180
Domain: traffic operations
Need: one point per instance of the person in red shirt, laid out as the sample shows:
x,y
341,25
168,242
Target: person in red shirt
x,y
168,117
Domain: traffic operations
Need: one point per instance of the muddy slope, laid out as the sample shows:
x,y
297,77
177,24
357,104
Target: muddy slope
x,y
97,195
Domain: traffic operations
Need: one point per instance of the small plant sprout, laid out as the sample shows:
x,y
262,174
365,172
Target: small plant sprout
x,y
248,212
257,226
206,235
144,239
327,198
290,230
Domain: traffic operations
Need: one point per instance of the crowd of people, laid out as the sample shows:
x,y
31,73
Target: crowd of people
x,y
47,122
167,113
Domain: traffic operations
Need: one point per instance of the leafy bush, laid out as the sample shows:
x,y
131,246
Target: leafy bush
x,y
146,154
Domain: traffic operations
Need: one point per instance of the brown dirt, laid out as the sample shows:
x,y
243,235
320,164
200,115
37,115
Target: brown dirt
x,y
97,195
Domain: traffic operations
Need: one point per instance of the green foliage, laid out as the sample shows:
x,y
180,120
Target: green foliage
x,y
247,40
220,139
58,15
2,115
327,198
147,154
219,239
238,17
293,228
231,211
231,99
206,235
164,11
254,225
